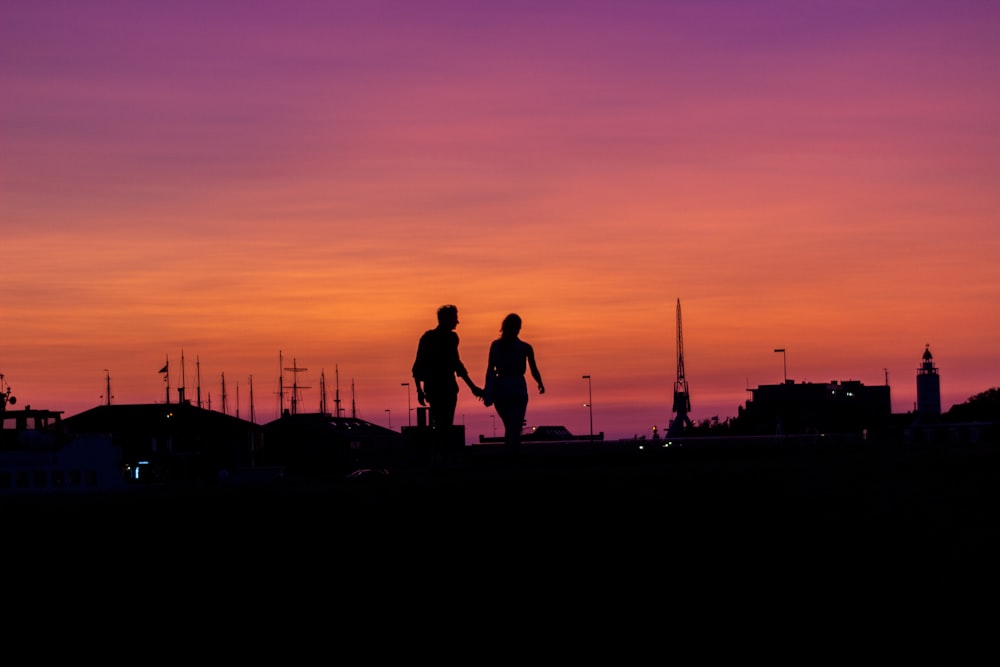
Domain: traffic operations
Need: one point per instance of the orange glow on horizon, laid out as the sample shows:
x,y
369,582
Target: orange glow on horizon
x,y
233,198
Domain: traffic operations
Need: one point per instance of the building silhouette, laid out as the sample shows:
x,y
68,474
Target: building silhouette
x,y
176,442
845,408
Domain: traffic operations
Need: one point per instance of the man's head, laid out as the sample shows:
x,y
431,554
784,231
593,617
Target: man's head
x,y
448,316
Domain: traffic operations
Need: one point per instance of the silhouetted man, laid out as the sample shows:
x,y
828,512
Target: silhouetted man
x,y
436,367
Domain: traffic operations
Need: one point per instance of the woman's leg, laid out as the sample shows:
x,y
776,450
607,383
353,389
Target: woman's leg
x,y
512,420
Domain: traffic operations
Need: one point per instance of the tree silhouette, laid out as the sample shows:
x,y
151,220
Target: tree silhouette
x,y
984,406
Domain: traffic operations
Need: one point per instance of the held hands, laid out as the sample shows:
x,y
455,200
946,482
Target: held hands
x,y
541,388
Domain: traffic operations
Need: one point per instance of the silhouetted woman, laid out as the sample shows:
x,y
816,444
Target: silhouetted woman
x,y
505,386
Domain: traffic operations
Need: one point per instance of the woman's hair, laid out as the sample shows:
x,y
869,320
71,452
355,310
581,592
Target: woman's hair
x,y
511,325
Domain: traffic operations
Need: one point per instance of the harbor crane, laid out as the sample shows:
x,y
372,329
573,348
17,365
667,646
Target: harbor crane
x,y
682,398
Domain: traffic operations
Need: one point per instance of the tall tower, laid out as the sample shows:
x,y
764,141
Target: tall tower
x,y
682,399
928,389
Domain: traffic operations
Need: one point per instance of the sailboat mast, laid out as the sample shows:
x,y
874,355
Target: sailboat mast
x,y
336,400
107,390
180,390
253,416
281,384
295,370
322,391
166,376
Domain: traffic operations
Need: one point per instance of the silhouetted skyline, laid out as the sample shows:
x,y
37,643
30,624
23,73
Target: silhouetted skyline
x,y
234,182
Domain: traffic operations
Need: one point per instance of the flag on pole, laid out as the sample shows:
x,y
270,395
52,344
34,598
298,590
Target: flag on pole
x,y
164,369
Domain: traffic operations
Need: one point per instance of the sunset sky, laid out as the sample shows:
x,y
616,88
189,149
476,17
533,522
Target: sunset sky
x,y
236,180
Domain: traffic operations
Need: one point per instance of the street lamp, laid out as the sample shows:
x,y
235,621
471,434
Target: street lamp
x,y
590,404
785,363
407,385
389,412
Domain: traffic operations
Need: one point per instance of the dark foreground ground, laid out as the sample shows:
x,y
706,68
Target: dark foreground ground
x,y
774,532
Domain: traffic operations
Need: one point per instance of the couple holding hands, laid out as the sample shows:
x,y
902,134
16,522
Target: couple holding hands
x,y
438,364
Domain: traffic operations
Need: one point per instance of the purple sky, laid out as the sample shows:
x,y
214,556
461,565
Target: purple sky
x,y
235,180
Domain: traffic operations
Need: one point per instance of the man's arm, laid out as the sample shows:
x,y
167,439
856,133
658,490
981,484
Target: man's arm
x,y
476,391
421,396
418,371
462,372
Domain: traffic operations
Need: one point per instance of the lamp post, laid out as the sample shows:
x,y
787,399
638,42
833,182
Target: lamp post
x,y
590,404
408,409
784,360
389,412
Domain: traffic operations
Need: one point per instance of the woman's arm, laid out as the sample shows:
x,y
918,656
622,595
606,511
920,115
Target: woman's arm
x,y
534,368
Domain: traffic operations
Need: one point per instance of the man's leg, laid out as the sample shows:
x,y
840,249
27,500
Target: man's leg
x,y
443,408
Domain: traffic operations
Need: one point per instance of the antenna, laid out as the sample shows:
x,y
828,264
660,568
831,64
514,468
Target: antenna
x,y
225,410
198,366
